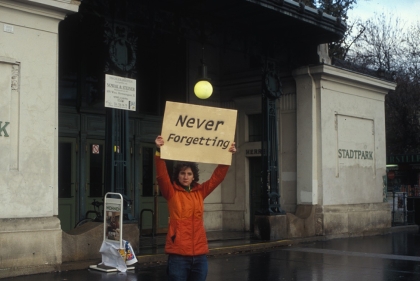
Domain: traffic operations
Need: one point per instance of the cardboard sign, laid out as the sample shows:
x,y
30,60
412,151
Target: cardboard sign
x,y
198,133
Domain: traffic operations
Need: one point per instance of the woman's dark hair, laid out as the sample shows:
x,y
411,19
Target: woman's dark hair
x,y
183,165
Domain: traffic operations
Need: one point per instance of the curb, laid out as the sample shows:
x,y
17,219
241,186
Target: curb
x,y
227,250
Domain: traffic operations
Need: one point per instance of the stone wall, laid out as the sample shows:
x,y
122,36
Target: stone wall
x,y
339,220
29,245
30,232
83,243
355,219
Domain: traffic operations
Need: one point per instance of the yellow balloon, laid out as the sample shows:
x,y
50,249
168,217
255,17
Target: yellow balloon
x,y
203,89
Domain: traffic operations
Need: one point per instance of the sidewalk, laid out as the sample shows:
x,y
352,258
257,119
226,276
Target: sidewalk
x,y
220,243
383,256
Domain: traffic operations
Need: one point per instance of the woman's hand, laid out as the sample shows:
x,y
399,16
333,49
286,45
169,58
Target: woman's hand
x,y
232,148
159,141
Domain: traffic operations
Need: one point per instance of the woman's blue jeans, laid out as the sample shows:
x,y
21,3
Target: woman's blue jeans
x,y
187,268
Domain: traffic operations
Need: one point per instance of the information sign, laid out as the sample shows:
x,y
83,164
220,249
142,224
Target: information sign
x,y
120,92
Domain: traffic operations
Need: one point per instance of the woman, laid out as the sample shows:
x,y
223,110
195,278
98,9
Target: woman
x,y
186,241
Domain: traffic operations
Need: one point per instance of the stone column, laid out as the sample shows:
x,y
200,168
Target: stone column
x,y
30,232
307,99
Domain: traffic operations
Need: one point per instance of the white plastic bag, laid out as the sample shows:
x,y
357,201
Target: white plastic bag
x,y
111,255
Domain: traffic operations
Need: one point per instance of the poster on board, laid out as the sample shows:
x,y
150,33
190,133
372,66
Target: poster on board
x,y
198,133
113,216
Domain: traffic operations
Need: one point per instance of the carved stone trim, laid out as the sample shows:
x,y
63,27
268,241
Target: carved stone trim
x,y
14,109
15,78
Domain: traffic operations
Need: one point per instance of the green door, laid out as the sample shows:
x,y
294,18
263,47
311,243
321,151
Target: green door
x,y
95,157
67,185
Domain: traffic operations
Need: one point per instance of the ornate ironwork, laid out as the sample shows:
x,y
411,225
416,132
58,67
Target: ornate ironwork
x,y
270,190
117,151
122,47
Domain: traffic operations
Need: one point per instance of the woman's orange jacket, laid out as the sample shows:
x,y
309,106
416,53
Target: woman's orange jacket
x,y
186,234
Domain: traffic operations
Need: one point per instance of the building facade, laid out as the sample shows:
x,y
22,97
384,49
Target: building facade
x,y
330,123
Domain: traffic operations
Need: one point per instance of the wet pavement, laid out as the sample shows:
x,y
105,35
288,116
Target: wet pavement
x,y
394,256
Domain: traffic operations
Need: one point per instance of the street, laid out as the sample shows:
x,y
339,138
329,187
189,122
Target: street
x,y
388,257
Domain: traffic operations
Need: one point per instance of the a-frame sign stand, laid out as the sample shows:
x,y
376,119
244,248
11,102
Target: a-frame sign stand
x,y
113,227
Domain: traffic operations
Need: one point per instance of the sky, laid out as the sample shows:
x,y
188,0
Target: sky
x,y
407,10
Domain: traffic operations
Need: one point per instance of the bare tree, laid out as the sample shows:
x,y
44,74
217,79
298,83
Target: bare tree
x,y
412,52
340,49
381,45
339,9
387,45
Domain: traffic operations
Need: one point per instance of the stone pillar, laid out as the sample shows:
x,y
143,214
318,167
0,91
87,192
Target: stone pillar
x,y
270,227
307,137
30,232
341,150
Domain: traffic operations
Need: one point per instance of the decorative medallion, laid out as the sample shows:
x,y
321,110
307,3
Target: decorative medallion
x,y
122,47
272,85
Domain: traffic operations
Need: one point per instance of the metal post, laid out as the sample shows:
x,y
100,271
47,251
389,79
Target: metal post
x,y
270,190
117,153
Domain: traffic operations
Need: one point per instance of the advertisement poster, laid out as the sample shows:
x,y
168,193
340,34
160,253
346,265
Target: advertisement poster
x,y
112,216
